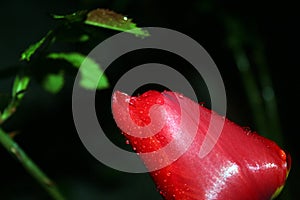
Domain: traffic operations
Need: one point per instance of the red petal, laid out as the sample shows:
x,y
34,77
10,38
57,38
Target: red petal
x,y
242,165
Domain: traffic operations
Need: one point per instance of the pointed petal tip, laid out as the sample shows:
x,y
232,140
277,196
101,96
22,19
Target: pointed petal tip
x,y
119,97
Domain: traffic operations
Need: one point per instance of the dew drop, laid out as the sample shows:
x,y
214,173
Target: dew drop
x,y
169,174
186,186
158,101
127,142
247,130
165,180
282,155
134,149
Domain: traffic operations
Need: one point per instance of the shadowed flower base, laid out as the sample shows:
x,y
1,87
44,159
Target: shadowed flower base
x,y
168,130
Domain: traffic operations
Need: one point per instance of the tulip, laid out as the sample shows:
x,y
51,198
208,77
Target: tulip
x,y
240,165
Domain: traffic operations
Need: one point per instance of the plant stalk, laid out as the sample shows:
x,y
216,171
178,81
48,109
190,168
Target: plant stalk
x,y
13,148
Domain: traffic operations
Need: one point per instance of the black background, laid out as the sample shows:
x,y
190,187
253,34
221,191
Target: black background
x,y
45,121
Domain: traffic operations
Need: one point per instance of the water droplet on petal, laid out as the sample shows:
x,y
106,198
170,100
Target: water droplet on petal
x,y
158,101
169,174
247,130
282,155
127,142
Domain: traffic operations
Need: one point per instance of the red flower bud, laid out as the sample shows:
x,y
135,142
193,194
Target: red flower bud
x,y
240,165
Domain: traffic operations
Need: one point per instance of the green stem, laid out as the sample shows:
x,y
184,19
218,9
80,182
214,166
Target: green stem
x,y
252,90
269,96
13,148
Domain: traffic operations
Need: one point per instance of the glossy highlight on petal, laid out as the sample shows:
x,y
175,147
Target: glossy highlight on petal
x,y
241,165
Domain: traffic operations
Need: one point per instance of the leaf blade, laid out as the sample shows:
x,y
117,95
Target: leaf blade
x,y
19,86
111,20
53,83
88,72
28,53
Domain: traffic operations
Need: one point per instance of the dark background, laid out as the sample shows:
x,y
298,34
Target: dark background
x,y
45,121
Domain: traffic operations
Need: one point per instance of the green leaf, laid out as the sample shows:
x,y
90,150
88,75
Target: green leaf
x,y
90,75
73,58
84,38
111,20
78,16
90,72
54,82
19,86
26,55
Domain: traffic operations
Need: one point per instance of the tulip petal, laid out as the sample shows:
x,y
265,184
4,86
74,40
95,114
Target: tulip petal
x,y
240,165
